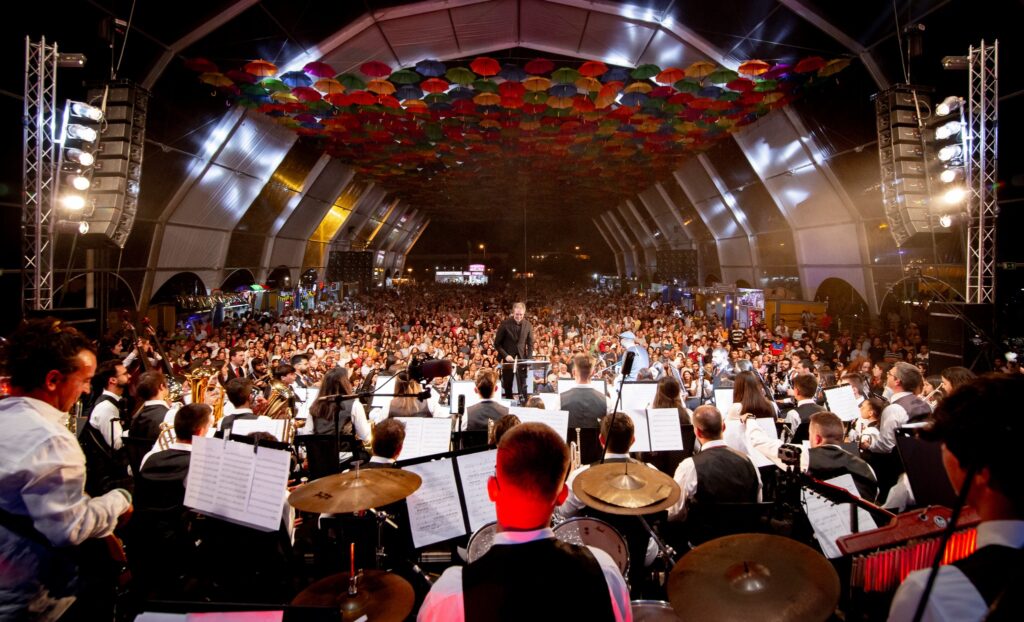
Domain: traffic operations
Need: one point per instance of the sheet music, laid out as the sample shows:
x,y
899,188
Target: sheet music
x,y
245,427
641,433
638,394
474,471
843,402
425,436
229,480
663,426
462,387
566,384
767,425
382,384
302,410
552,401
558,420
830,521
435,513
723,399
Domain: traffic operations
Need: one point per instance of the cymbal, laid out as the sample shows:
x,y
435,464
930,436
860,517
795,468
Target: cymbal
x,y
627,488
354,491
381,596
753,576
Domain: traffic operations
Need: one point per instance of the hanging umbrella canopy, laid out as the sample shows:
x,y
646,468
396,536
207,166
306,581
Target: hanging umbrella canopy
x,y
328,85
593,68
645,71
639,87
833,67
512,72
536,83
700,70
202,65
753,67
318,69
405,76
350,81
261,68
460,75
296,78
375,69
430,68
809,64
511,89
721,76
434,85
485,66
539,66
408,91
670,75
215,79
380,87
563,90
273,85
590,85
306,94
565,75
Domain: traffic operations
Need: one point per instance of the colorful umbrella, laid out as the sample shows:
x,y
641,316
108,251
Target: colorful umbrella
x,y
740,84
273,85
588,84
687,86
485,66
700,70
306,94
536,83
563,90
430,68
319,70
645,71
721,76
405,76
350,81
408,91
261,68
460,75
513,73
593,68
375,69
670,75
511,89
201,65
215,79
565,75
639,87
434,85
328,85
833,67
615,74
753,67
487,99
296,78
809,64
539,66
380,87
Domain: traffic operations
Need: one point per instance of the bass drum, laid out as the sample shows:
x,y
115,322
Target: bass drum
x,y
481,542
586,531
653,611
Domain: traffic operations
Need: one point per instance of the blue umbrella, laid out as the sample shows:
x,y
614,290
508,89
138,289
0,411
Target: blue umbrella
x,y
710,92
430,68
296,78
461,93
615,74
513,73
633,99
408,91
563,90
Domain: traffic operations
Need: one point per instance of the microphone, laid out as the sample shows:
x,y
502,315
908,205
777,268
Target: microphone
x,y
462,404
428,369
627,365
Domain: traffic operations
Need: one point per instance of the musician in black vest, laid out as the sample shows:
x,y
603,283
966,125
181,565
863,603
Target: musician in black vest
x,y
105,463
798,419
527,567
905,406
161,547
585,403
152,391
718,473
486,409
980,428
514,341
239,393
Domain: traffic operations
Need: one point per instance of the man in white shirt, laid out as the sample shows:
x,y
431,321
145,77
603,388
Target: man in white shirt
x,y
527,565
980,428
106,413
43,507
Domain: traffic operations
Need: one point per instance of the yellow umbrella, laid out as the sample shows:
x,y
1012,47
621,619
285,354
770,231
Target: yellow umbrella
x,y
328,86
639,87
380,87
487,99
588,84
559,103
834,66
529,125
536,83
700,69
215,79
604,100
283,97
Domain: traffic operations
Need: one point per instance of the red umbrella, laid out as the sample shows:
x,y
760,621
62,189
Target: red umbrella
x,y
593,68
375,69
434,85
319,70
511,89
539,66
306,94
338,99
362,98
670,75
809,64
201,65
485,66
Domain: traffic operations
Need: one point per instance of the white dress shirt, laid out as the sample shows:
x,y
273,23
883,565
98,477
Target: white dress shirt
x,y
106,418
953,597
892,419
686,477
444,602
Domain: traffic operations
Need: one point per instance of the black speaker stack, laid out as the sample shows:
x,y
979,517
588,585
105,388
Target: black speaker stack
x,y
679,266
351,266
959,336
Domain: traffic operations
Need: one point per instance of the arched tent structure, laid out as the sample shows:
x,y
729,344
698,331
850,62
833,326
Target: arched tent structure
x,y
789,200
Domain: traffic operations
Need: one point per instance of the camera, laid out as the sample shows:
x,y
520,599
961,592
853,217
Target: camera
x,y
790,455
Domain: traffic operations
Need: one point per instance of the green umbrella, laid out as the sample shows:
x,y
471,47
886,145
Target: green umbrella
x,y
565,75
460,75
721,76
405,76
485,86
350,81
437,98
766,86
645,71
687,86
535,97
273,85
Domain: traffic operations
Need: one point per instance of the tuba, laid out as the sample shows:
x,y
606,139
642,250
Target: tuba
x,y
279,405
167,437
200,379
575,458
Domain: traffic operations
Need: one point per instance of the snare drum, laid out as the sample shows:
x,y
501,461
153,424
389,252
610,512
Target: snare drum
x,y
481,542
586,531
653,611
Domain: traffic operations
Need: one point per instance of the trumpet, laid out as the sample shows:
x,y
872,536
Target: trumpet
x,y
575,459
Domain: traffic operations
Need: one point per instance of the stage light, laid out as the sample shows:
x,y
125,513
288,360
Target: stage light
x,y
81,132
947,105
86,111
954,195
950,175
949,152
946,221
73,202
79,157
80,182
949,129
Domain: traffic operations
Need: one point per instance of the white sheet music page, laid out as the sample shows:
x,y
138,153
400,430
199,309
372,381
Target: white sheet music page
x,y
723,400
558,420
565,384
843,402
830,521
382,384
767,425
435,514
638,394
462,387
245,427
474,470
641,433
666,435
552,401
227,479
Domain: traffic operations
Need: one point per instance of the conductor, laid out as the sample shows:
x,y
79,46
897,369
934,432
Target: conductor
x,y
514,341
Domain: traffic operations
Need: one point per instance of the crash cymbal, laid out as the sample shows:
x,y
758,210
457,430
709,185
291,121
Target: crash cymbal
x,y
380,596
753,576
629,488
354,491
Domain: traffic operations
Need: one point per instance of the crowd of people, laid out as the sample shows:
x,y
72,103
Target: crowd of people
x,y
134,440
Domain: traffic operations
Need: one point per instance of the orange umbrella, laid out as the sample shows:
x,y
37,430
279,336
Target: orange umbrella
x,y
582,103
559,103
485,66
639,87
753,67
536,83
591,85
261,68
487,99
670,75
328,85
380,87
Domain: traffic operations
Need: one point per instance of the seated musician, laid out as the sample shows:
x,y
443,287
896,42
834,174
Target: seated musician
x,y
505,424
979,426
388,439
239,393
826,458
152,392
527,566
486,409
410,405
585,404
718,474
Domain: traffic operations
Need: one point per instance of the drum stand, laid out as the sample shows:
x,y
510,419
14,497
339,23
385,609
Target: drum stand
x,y
665,551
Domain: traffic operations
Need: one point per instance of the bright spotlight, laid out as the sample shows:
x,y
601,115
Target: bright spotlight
x,y
947,105
74,202
949,152
81,132
79,157
946,221
949,175
86,111
949,129
80,182
954,195
83,227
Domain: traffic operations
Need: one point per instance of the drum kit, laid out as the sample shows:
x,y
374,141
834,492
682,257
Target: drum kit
x,y
735,577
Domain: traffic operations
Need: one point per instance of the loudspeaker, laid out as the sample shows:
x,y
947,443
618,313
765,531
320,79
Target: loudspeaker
x,y
903,157
678,265
958,335
118,169
349,266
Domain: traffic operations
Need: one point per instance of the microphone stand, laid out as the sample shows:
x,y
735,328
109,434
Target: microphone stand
x,y
627,367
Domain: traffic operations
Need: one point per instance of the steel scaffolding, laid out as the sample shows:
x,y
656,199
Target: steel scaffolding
x,y
982,174
39,144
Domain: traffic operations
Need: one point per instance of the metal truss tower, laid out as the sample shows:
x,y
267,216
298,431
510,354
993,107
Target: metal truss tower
x,y
983,134
39,174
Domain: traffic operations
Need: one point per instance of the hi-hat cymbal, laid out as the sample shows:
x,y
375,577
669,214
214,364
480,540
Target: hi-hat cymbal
x,y
630,488
381,596
752,576
354,491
